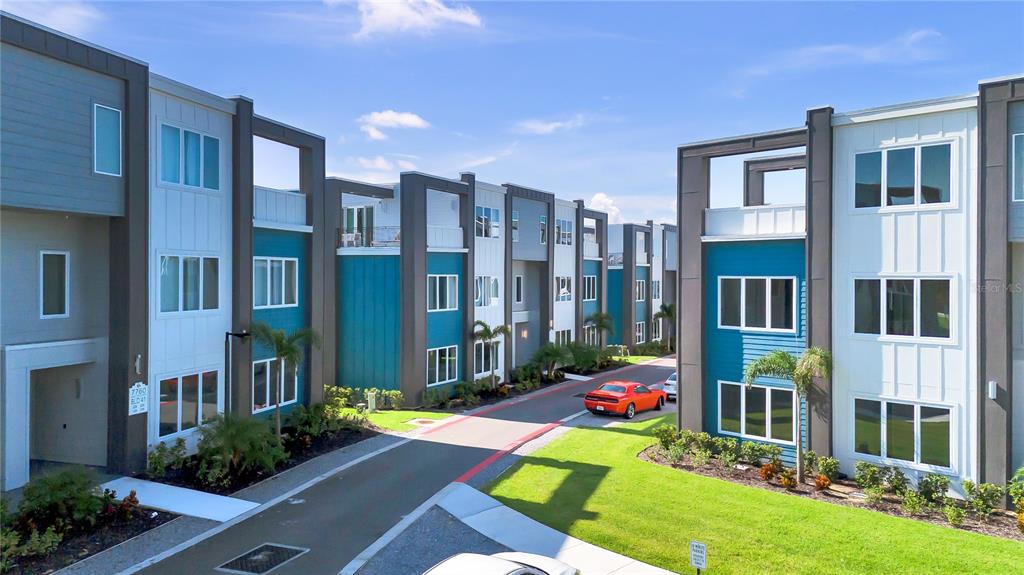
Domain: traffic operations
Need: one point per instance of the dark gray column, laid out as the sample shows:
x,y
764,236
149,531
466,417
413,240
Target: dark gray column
x,y
509,281
819,270
413,301
548,303
754,171
693,193
578,296
629,264
995,428
649,287
602,289
467,219
240,369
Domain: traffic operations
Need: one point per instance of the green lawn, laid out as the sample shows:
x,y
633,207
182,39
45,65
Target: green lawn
x,y
590,484
395,420
635,358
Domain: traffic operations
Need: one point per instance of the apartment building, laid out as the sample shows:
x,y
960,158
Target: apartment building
x,y
900,260
642,264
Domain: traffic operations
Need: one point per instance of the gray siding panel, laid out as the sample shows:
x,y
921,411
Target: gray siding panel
x,y
529,247
46,116
1015,119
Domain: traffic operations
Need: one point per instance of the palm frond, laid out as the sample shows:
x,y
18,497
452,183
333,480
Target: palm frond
x,y
815,362
778,363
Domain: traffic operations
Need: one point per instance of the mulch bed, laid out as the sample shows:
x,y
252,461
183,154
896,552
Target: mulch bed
x,y
77,545
843,492
593,372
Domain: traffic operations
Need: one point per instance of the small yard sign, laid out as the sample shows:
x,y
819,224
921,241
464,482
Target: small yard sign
x,y
698,555
138,398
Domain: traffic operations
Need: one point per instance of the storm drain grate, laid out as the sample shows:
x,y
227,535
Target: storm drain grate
x,y
262,559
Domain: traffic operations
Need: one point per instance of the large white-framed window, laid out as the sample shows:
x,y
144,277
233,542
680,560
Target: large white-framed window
x,y
563,337
488,222
1017,169
272,385
757,412
442,365
563,287
543,229
189,158
515,225
656,330
655,289
442,292
913,307
485,357
187,400
589,288
590,335
640,332
107,144
563,232
904,176
485,291
886,430
189,283
275,282
357,225
640,290
517,288
54,284
757,303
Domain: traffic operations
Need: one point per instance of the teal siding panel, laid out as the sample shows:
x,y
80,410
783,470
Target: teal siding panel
x,y
445,328
368,321
728,351
277,243
615,305
642,273
592,268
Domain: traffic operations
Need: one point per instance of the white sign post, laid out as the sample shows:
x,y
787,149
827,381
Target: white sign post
x,y
698,555
138,398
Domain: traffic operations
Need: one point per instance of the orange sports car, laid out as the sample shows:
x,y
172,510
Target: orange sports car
x,y
625,398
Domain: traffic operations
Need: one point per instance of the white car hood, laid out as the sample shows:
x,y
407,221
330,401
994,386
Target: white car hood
x,y
545,564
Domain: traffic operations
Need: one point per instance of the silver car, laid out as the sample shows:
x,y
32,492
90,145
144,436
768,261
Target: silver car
x,y
501,564
669,387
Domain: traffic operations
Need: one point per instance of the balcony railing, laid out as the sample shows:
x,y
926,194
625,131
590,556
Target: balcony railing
x,y
391,237
760,221
279,206
591,249
444,237
615,259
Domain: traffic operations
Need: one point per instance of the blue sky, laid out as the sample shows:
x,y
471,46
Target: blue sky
x,y
585,99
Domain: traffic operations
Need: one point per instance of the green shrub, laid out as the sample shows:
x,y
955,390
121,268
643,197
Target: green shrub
x,y
787,478
606,357
666,434
723,445
677,452
1015,490
467,392
811,462
774,454
66,499
437,398
752,452
311,421
955,514
874,494
13,548
867,475
337,397
702,440
655,348
983,498
700,457
913,503
584,357
895,481
231,447
729,458
163,458
829,467
933,488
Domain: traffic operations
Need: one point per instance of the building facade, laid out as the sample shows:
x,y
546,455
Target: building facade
x,y
641,264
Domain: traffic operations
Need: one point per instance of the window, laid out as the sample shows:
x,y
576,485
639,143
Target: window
x,y
515,225
187,400
189,283
655,289
641,290
757,303
518,289
488,222
543,229
1017,169
757,412
275,282
589,288
442,292
563,232
106,140
357,225
485,357
442,365
590,335
910,176
563,337
564,288
640,332
913,307
54,287
189,157
656,330
904,431
271,385
485,291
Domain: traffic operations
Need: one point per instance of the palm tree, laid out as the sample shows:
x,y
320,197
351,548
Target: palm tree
x,y
487,334
668,311
815,362
602,321
549,356
288,349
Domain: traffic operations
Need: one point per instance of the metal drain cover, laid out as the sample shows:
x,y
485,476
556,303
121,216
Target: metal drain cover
x,y
262,559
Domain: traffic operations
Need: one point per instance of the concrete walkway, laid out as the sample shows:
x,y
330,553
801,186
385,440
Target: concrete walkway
x,y
180,500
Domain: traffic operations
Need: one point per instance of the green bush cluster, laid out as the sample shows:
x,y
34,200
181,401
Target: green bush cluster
x,y
163,458
655,348
231,447
983,498
343,397
702,447
437,397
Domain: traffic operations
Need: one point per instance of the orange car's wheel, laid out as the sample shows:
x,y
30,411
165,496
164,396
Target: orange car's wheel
x,y
630,411
661,403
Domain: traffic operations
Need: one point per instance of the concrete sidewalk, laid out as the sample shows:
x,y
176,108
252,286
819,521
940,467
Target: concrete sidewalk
x,y
180,500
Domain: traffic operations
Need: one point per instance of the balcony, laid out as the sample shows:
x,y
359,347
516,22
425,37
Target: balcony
x,y
615,259
278,208
760,222
444,237
591,249
391,237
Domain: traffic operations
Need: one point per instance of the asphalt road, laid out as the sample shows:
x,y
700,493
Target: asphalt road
x,y
339,517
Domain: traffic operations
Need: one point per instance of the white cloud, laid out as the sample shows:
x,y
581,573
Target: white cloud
x,y
372,123
477,161
383,17
406,165
75,18
382,164
543,127
910,48
602,202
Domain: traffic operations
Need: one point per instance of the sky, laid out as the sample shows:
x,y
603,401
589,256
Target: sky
x,y
588,100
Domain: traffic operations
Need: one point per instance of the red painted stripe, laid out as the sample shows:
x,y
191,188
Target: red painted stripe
x,y
505,451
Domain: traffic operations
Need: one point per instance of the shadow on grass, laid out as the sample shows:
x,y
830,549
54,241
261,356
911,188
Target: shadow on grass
x,y
566,503
636,428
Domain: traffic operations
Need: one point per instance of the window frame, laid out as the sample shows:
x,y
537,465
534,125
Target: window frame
x,y
452,281
514,222
640,332
518,289
769,390
543,230
768,304
656,330
280,383
918,203
1014,168
67,284
284,281
640,290
590,335
179,376
182,256
563,282
490,348
884,458
487,222
486,291
589,288
655,289
181,157
563,231
448,349
120,141
563,337
951,339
